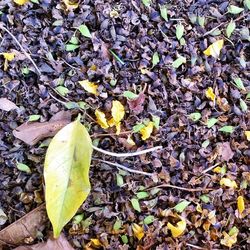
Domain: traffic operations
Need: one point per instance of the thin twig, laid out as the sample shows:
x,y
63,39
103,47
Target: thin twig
x,y
111,134
182,188
195,247
21,47
213,29
126,154
210,168
123,167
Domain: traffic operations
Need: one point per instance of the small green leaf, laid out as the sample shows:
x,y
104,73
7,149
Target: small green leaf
x,y
83,105
87,222
248,96
179,61
142,195
205,198
192,18
234,9
74,40
180,207
243,106
201,21
113,82
155,59
25,70
138,127
156,121
119,180
71,47
182,41
77,219
136,205
146,2
130,95
71,105
227,129
230,28
62,90
247,4
244,33
205,143
195,116
234,230
164,12
84,30
239,83
124,239
35,1
211,122
33,118
179,31
149,219
23,167
116,57
117,225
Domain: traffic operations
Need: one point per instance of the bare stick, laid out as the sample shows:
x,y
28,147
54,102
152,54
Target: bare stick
x,y
21,47
195,247
123,167
182,188
210,168
111,134
126,154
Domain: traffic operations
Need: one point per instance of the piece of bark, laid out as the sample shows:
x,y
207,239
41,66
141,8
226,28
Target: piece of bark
x,y
7,105
33,132
26,227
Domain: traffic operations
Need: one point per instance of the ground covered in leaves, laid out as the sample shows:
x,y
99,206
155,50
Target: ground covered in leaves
x,y
153,61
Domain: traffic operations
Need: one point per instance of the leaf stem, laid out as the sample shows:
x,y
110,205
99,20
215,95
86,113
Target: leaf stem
x,y
123,167
181,188
126,154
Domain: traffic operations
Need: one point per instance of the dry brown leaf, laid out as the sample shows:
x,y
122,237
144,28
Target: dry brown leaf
x,y
51,244
7,105
24,228
225,151
33,132
137,105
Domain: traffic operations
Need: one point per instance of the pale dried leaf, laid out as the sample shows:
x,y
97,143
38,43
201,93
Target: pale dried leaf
x,y
7,105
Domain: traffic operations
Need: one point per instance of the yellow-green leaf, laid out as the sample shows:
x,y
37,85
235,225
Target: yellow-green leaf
x,y
179,61
90,87
230,28
230,238
247,134
101,119
178,229
228,183
8,56
240,204
155,59
233,9
21,2
147,131
66,174
214,49
84,30
210,94
117,111
138,231
227,129
180,207
179,31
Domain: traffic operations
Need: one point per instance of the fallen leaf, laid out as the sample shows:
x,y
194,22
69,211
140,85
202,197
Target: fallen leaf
x,y
179,228
8,58
70,5
84,30
136,205
138,231
90,87
26,227
233,9
50,244
230,238
137,104
230,28
240,204
66,174
7,105
179,61
147,131
23,167
31,133
210,94
228,183
130,141
101,119
155,59
225,151
96,242
214,49
130,95
180,207
227,129
21,2
247,134
179,31
117,111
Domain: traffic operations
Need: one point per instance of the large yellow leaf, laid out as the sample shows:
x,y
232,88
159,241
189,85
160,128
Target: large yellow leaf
x,y
117,111
138,231
179,228
66,174
21,2
240,204
101,119
71,4
90,87
214,49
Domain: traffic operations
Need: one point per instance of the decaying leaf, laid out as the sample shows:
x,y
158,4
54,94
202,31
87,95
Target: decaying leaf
x,y
214,49
147,131
84,30
21,2
179,228
210,94
31,133
117,111
130,141
247,134
101,119
70,4
90,87
8,58
7,105
228,183
225,151
50,244
240,204
136,105
138,231
230,238
26,227
66,174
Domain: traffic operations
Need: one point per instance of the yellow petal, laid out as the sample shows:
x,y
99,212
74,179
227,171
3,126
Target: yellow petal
x,y
96,242
247,134
101,119
147,131
228,183
8,56
117,111
230,239
178,229
21,2
130,141
90,87
138,231
214,49
210,94
70,4
240,204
